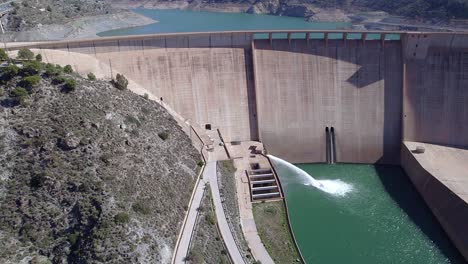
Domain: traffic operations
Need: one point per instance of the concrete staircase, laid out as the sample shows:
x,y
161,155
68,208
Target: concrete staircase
x,y
263,184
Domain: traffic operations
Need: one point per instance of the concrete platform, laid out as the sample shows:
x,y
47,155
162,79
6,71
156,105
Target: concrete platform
x,y
441,176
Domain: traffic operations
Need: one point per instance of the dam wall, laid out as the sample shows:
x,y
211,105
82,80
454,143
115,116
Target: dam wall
x,y
354,86
205,78
436,89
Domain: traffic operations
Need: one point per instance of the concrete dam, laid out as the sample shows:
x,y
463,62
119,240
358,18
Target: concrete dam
x,y
381,96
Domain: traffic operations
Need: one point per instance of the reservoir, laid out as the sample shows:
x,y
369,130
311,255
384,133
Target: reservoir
x,y
173,20
365,214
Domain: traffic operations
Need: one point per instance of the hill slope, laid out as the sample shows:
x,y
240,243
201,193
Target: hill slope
x,y
85,176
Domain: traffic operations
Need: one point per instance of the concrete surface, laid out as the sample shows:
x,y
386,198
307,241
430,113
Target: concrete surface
x,y
435,91
355,87
441,176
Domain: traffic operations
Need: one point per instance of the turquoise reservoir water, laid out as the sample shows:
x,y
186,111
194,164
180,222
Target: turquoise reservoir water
x,y
195,21
367,214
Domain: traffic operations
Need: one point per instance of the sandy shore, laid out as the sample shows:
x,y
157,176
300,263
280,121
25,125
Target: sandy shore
x,y
85,27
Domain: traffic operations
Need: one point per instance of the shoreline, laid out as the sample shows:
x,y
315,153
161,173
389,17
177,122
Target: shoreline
x,y
360,19
81,28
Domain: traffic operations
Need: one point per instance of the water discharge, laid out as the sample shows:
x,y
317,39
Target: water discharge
x,y
335,187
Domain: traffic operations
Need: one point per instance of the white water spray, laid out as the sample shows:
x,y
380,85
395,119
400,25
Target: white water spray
x,y
334,187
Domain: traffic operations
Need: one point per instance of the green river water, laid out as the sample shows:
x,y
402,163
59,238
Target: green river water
x,y
382,219
173,20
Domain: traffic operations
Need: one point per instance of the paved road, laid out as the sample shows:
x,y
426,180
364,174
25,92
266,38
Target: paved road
x,y
182,249
210,176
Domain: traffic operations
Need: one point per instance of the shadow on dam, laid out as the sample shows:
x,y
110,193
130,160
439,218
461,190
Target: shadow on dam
x,y
403,192
354,86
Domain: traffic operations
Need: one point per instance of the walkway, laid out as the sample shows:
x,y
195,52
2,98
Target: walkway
x,y
210,176
184,242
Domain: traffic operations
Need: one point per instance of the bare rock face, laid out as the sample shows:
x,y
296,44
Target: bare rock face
x,y
69,142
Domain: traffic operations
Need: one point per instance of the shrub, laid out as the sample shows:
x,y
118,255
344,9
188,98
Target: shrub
x,y
68,69
9,72
121,218
3,55
200,163
70,85
209,218
72,238
140,208
163,135
25,54
146,96
38,57
30,81
51,70
91,76
19,94
58,80
120,82
31,68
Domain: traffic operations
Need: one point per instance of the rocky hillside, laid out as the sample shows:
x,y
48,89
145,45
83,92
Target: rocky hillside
x,y
423,9
89,173
27,14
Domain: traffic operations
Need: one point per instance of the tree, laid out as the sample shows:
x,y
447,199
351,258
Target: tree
x,y
19,94
31,68
68,69
70,85
3,55
9,72
120,82
30,81
91,76
51,70
25,54
39,57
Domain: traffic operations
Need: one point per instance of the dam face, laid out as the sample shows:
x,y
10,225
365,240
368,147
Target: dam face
x,y
352,86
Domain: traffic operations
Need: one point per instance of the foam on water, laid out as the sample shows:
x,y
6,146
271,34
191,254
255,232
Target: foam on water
x,y
334,187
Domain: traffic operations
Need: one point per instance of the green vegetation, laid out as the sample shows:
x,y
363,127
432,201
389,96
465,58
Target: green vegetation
x,y
3,55
58,80
25,54
163,135
274,231
69,85
19,95
29,82
200,163
91,76
39,57
141,208
52,70
31,68
120,82
68,69
121,218
9,72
